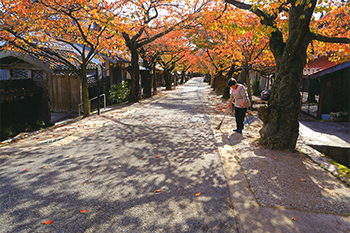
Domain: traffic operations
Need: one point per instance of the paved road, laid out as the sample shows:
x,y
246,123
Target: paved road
x,y
156,170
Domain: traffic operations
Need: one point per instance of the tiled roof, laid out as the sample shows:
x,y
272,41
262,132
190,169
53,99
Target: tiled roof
x,y
317,65
59,66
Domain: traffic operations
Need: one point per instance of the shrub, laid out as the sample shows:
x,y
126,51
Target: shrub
x,y
118,93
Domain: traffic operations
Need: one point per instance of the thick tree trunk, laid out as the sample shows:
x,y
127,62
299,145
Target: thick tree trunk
x,y
135,77
85,92
281,126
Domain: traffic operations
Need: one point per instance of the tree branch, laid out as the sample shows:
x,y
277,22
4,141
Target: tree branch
x,y
315,36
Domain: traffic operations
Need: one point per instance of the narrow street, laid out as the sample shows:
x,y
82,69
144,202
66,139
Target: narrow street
x,y
156,168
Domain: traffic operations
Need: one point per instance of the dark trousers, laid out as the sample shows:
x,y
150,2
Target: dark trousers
x,y
239,114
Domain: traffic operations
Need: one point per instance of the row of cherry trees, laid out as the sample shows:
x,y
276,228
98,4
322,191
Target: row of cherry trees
x,y
209,36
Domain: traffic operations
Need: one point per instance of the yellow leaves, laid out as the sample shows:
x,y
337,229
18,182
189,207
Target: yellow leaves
x,y
198,194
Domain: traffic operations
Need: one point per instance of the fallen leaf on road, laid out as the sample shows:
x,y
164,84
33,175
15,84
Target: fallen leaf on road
x,y
6,156
142,159
83,211
26,169
182,156
44,167
48,222
157,191
302,179
274,157
198,194
157,156
268,153
84,184
294,219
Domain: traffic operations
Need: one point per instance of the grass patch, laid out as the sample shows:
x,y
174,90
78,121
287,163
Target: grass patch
x,y
342,170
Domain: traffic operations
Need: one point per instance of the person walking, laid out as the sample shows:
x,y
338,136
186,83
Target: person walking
x,y
238,94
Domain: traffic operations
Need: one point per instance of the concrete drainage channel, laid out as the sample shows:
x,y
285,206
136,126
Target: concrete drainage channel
x,y
339,154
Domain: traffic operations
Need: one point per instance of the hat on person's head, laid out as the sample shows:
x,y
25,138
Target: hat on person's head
x,y
231,82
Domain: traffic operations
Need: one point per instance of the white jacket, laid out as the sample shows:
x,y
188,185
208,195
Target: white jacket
x,y
241,97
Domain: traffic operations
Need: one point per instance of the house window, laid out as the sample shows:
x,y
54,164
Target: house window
x,y
3,74
37,74
19,73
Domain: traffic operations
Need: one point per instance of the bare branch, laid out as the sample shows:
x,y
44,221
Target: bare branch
x,y
315,36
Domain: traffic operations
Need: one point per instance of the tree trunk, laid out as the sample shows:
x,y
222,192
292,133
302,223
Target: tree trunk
x,y
167,77
155,92
85,92
135,77
147,83
281,126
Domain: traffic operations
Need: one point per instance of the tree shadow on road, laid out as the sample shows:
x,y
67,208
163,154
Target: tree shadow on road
x,y
115,175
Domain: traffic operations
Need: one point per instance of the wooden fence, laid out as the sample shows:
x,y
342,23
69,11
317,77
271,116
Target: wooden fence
x,y
64,93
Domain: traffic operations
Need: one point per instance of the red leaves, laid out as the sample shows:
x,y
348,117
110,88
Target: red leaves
x,y
83,211
157,156
198,194
48,222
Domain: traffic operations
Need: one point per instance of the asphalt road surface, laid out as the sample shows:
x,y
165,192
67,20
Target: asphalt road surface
x,y
157,170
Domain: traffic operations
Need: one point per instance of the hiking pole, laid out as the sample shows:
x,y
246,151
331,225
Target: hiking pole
x,y
218,127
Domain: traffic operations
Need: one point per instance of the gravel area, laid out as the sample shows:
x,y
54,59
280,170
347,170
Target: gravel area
x,y
281,178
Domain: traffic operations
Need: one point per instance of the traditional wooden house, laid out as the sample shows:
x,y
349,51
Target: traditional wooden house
x,y
24,88
325,87
49,86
